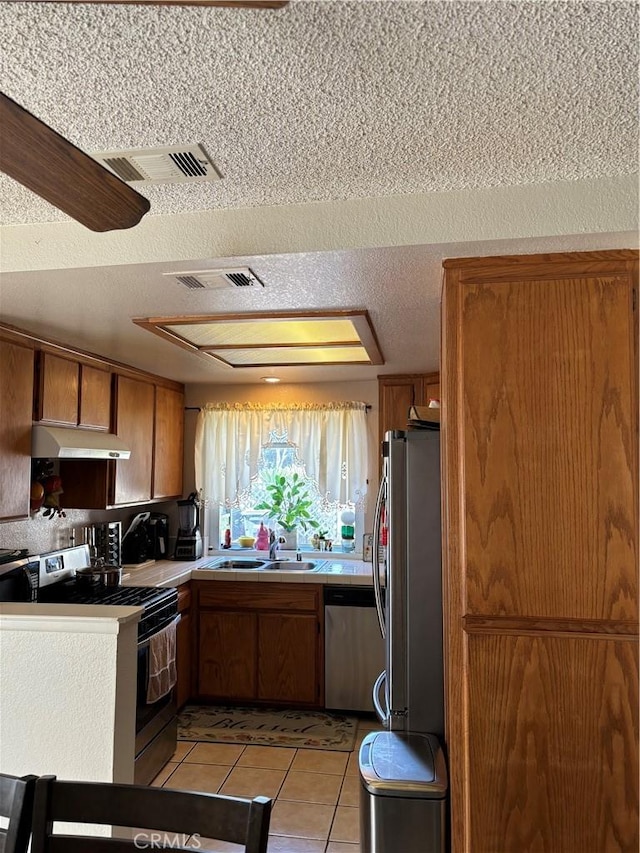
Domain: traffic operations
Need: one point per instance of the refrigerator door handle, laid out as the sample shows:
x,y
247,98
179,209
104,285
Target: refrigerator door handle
x,y
381,713
377,519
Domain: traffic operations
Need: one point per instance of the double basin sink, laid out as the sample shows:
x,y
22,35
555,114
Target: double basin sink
x,y
248,564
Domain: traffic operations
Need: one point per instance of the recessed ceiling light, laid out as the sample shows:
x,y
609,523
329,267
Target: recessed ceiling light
x,y
270,379
274,339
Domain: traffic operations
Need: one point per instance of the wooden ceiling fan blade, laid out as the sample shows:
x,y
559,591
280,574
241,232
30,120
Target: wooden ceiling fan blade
x,y
234,4
45,162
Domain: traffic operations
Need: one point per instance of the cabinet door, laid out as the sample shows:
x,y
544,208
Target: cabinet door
x,y
227,652
168,443
540,550
16,396
288,668
183,659
58,390
396,395
95,398
134,425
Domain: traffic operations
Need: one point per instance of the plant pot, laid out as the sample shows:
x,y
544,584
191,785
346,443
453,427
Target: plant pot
x,y
290,538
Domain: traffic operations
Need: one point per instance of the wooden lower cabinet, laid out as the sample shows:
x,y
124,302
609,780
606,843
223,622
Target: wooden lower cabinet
x,y
184,645
287,651
260,642
550,743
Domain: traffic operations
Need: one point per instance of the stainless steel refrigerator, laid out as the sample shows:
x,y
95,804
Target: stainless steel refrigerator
x,y
402,769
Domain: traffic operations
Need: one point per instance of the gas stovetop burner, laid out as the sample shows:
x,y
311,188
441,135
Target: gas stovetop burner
x,y
160,606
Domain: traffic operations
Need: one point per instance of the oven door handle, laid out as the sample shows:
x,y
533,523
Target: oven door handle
x,y
173,621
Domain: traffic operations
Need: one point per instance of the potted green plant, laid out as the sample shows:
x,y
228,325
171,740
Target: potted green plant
x,y
288,506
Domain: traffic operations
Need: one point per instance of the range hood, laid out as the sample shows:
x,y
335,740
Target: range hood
x,y
70,443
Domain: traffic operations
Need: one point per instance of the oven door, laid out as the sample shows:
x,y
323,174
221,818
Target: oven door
x,y
19,580
156,723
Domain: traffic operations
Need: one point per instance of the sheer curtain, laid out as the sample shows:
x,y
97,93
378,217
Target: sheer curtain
x,y
331,441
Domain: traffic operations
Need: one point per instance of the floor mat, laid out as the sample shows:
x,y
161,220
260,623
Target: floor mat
x,y
267,727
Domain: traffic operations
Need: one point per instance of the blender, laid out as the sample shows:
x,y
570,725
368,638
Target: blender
x,y
188,540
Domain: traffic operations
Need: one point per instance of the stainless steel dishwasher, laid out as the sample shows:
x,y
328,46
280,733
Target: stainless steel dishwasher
x,y
353,648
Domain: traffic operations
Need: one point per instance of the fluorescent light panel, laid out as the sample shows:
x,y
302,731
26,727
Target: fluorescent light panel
x,y
260,340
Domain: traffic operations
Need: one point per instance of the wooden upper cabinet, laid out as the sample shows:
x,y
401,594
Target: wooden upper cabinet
x,y
95,398
548,437
58,387
70,393
135,401
397,393
16,410
168,443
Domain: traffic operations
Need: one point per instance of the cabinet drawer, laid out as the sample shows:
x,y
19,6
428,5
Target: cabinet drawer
x,y
259,596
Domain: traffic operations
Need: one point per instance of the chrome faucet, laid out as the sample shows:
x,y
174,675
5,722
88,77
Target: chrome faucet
x,y
273,546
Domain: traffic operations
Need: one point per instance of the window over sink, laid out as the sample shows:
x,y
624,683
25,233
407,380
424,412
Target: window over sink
x,y
240,450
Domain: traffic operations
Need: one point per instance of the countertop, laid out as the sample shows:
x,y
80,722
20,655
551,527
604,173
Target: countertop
x,y
339,569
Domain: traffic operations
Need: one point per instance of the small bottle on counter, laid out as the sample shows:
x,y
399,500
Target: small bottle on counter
x,y
262,539
227,538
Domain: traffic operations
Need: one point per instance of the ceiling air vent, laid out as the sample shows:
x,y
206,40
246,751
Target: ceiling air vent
x,y
217,279
176,164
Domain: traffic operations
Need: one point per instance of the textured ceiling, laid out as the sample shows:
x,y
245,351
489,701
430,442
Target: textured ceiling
x,y
333,100
426,129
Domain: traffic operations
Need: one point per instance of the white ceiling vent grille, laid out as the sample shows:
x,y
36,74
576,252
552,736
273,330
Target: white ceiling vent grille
x,y
176,164
217,279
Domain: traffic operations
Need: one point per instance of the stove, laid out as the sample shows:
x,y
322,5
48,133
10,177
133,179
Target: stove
x,y
57,583
53,580
160,606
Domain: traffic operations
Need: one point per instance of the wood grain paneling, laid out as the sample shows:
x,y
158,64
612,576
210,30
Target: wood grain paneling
x,y
16,406
95,398
550,448
540,532
183,659
260,596
227,654
135,413
58,390
168,443
552,744
287,657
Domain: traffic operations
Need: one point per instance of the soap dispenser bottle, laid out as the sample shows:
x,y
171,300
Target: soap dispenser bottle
x,y
262,539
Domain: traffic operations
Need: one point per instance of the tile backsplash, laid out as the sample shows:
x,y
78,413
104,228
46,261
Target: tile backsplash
x,y
40,534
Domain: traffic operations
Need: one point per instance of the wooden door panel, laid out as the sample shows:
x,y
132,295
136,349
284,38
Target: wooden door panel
x,y
134,425
95,398
16,405
287,655
550,448
227,654
551,744
168,443
183,659
58,392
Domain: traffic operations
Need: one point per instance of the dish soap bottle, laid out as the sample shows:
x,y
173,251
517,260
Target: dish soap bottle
x,y
262,539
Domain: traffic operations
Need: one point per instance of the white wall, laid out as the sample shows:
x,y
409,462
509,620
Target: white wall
x,y
68,692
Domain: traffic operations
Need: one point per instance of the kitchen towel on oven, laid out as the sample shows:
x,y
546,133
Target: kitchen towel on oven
x,y
162,663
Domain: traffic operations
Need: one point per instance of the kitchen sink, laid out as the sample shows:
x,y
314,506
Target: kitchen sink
x,y
294,565
240,563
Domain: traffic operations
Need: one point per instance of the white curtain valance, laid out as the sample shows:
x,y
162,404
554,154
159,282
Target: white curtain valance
x,y
331,442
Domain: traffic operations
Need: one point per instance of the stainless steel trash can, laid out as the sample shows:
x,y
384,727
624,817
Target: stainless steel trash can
x,y
403,793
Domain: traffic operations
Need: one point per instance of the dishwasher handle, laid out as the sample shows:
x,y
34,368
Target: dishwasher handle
x,y
349,596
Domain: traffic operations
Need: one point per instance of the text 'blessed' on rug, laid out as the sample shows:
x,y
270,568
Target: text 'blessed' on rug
x,y
267,727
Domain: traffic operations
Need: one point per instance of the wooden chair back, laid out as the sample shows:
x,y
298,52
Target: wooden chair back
x,y
16,804
158,818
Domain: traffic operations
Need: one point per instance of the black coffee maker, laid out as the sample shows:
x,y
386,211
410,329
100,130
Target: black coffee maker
x,y
189,540
158,532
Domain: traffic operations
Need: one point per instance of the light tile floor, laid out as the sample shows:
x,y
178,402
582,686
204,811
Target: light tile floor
x,y
315,792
